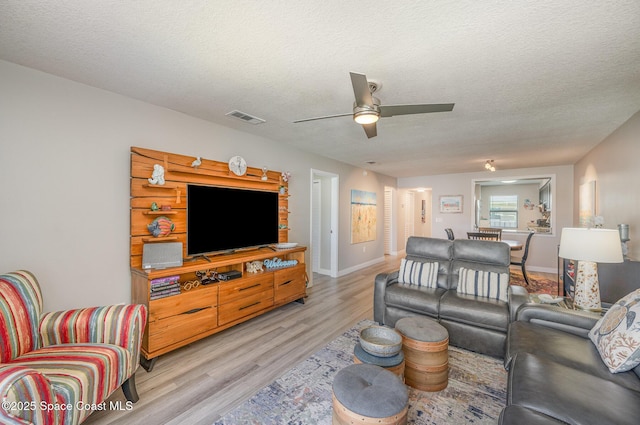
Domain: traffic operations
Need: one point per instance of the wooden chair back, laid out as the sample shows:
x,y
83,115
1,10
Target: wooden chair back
x,y
484,236
491,230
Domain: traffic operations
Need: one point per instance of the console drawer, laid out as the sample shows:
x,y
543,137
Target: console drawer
x,y
189,300
188,323
289,283
242,288
245,306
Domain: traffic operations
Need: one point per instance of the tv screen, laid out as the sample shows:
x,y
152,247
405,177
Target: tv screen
x,y
227,219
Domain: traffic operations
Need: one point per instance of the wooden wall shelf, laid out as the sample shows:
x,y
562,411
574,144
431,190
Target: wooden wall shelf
x,y
160,212
151,239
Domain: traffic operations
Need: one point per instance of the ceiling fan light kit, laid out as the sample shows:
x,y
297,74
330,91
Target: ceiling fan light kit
x,y
367,109
365,114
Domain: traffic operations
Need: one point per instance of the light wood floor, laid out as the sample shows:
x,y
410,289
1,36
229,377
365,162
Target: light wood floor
x,y
199,383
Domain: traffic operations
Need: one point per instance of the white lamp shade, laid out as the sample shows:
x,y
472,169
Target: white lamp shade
x,y
596,245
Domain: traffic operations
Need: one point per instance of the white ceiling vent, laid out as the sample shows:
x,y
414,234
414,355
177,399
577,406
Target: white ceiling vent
x,y
245,117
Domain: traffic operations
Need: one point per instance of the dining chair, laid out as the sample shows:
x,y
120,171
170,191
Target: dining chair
x,y
491,230
449,233
483,236
522,261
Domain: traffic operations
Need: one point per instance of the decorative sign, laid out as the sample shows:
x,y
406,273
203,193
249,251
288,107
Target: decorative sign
x,y
276,263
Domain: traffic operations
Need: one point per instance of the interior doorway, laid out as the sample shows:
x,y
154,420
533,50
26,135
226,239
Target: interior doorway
x,y
409,218
324,222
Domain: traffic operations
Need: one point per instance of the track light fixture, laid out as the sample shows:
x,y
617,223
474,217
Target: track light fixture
x,y
489,165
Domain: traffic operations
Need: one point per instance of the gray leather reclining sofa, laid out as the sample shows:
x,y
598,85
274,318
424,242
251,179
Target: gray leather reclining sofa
x,y
556,374
475,323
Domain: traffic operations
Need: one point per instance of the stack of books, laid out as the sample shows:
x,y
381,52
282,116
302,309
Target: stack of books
x,y
164,287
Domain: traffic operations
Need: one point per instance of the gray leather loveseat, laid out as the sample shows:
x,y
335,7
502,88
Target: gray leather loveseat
x,y
476,322
556,373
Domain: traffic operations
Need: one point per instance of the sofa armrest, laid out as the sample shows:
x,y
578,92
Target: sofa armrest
x,y
382,281
27,397
121,325
518,296
572,321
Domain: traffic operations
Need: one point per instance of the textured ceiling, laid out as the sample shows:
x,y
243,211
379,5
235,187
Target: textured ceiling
x,y
534,83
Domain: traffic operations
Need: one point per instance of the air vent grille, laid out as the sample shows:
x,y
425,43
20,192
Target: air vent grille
x,y
245,117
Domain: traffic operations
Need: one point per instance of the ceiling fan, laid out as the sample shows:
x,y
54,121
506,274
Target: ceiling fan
x,y
367,108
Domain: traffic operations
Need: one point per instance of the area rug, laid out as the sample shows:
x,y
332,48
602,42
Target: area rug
x,y
475,395
537,284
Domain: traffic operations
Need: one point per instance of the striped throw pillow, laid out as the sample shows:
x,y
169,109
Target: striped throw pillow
x,y
418,273
483,284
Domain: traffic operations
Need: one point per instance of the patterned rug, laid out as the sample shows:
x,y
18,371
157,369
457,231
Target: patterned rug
x,y
537,284
475,395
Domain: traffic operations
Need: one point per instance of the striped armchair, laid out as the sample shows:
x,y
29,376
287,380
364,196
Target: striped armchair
x,y
59,367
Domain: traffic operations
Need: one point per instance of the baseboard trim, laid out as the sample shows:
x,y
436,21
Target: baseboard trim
x,y
360,266
540,269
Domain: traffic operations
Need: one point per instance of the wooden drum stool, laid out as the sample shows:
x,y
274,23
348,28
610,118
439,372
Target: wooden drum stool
x,y
425,343
393,364
367,394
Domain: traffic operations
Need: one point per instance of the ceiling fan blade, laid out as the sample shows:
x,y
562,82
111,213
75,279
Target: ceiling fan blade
x,y
370,129
324,117
391,110
361,89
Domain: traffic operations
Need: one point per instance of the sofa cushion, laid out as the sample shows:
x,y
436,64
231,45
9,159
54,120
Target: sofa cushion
x,y
412,298
80,373
483,284
432,250
564,348
418,273
518,415
617,334
568,394
476,311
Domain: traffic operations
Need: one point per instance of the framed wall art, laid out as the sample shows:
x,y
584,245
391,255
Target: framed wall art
x,y
587,203
451,204
363,216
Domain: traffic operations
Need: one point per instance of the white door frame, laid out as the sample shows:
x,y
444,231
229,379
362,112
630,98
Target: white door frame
x,y
333,256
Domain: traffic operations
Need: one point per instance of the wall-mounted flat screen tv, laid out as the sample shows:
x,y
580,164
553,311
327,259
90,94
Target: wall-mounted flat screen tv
x,y
221,219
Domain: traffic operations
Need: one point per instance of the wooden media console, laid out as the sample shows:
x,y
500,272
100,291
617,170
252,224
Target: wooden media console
x,y
199,310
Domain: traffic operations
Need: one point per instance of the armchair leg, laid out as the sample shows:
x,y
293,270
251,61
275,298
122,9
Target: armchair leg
x,y
129,389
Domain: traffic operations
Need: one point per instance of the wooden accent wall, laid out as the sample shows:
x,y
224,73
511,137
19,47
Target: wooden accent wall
x,y
178,172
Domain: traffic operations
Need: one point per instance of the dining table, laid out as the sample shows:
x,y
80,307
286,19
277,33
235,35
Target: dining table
x,y
514,245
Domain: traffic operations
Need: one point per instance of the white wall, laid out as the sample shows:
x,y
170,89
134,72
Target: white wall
x,y
544,248
613,165
64,148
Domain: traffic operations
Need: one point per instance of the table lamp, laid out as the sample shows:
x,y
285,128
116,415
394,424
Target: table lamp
x,y
588,247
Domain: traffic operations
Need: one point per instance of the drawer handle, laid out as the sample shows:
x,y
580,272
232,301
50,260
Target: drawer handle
x,y
195,310
250,305
249,287
287,282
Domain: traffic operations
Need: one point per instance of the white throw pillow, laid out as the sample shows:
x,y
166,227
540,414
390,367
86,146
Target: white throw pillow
x,y
418,273
482,283
617,334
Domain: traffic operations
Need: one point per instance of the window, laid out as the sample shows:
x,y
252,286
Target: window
x,y
503,211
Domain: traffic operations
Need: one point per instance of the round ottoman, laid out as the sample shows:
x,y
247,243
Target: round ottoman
x,y
394,364
425,343
368,394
